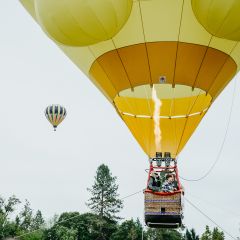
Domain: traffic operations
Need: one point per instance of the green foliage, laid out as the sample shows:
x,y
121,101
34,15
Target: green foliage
x,y
129,230
104,200
207,235
25,217
163,234
82,227
216,234
7,207
100,225
191,235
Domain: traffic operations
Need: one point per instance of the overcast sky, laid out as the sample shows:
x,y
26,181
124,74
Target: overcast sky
x,y
53,169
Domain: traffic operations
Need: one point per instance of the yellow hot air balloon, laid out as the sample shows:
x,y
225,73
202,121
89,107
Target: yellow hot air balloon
x,y
162,55
81,23
161,39
219,17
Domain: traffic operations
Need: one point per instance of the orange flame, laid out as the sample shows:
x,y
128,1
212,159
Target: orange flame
x,y
156,118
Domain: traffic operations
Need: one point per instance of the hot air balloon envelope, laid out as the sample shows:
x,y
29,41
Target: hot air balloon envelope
x,y
55,114
81,23
219,17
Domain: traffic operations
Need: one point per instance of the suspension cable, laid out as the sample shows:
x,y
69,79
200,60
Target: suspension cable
x,y
223,142
66,220
205,215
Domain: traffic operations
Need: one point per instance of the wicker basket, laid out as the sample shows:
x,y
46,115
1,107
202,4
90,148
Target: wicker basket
x,y
163,204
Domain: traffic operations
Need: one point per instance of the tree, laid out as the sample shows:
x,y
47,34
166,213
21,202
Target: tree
x,y
191,235
163,234
26,216
207,235
81,226
104,200
129,230
217,235
7,227
37,221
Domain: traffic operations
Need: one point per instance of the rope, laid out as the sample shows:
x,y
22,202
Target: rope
x,y
223,142
205,215
65,220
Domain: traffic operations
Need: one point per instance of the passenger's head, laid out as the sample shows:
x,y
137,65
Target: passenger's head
x,y
170,177
154,174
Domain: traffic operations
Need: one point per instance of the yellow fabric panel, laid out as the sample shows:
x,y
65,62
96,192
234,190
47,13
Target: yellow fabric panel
x,y
136,126
174,132
223,78
201,102
136,64
29,5
164,91
191,30
226,46
171,106
196,66
187,131
104,83
189,59
211,65
76,53
235,54
219,17
162,60
82,23
113,66
132,32
155,14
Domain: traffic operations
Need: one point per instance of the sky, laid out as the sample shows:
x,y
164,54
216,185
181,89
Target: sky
x,y
54,169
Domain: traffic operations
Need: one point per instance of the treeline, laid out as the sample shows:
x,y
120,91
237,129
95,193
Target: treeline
x,y
102,223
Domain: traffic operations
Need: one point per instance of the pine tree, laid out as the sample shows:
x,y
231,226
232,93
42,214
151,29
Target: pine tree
x,y
105,200
207,235
37,221
191,235
217,235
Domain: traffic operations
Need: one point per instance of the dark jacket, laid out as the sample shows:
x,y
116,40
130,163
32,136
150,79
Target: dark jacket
x,y
154,184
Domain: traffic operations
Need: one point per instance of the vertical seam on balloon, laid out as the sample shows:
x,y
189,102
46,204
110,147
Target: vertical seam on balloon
x,y
209,6
226,59
148,100
150,114
189,111
114,15
90,8
175,132
125,70
176,55
184,127
118,55
146,48
109,79
129,105
225,18
129,82
204,56
173,106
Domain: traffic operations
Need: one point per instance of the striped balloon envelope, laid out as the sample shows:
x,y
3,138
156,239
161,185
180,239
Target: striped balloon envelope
x,y
55,114
161,44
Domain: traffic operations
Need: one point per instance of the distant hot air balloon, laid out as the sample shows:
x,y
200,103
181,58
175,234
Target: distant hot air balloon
x,y
175,46
55,114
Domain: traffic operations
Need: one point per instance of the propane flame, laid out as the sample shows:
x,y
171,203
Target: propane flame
x,y
156,118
